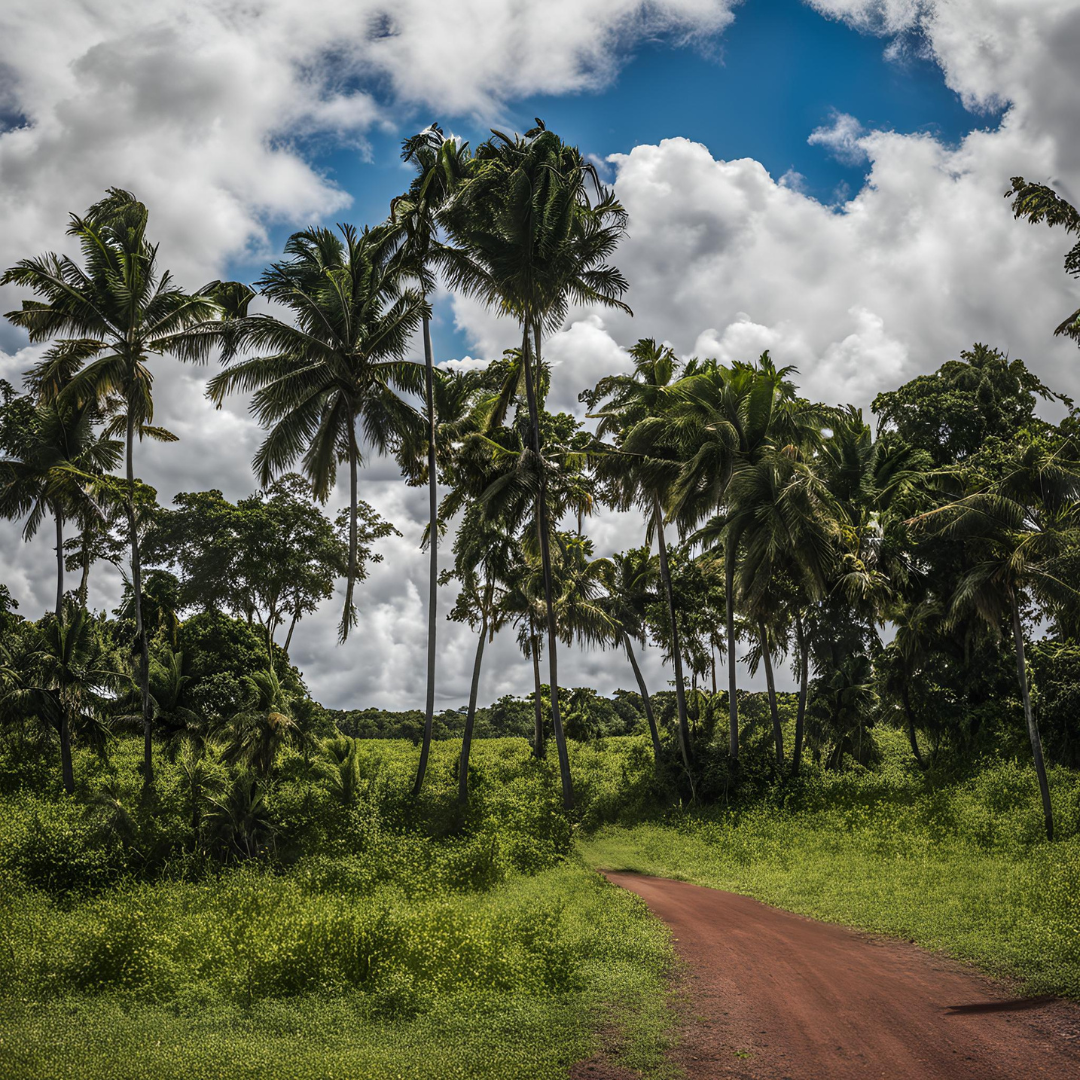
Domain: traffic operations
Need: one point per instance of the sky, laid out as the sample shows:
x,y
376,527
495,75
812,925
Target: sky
x,y
822,178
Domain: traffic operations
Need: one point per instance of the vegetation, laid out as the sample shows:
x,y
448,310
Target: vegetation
x,y
203,865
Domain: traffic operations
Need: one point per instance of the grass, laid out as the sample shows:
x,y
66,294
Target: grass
x,y
392,944
386,938
963,868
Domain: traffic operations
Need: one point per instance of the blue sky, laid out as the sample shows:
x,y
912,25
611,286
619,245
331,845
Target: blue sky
x,y
758,91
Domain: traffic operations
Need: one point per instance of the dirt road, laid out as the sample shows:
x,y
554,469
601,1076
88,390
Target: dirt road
x,y
773,995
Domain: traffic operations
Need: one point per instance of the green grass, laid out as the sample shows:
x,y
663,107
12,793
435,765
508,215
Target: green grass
x,y
964,868
394,945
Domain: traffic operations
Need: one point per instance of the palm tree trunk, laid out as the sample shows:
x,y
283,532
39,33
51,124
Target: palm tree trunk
x,y
545,562
470,716
59,563
65,752
676,651
910,714
733,682
538,704
1029,716
644,697
84,581
141,642
804,678
433,564
770,682
350,580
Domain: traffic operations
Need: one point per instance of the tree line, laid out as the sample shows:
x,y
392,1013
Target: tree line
x,y
782,523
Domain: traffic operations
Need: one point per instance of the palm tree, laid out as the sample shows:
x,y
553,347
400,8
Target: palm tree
x,y
539,243
53,468
263,726
114,314
726,418
1039,203
641,466
336,368
630,578
484,553
779,517
1019,526
441,166
61,675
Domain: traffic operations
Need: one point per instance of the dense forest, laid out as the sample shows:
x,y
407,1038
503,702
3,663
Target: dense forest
x,y
918,572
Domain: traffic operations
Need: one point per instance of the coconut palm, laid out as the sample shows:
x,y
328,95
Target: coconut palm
x,y
640,467
630,579
54,468
539,243
726,418
62,675
779,516
441,166
113,315
334,371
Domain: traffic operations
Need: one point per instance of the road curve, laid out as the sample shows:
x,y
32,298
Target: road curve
x,y
775,996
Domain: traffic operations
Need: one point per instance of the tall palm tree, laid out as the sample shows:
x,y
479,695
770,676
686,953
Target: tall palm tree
x,y
640,467
441,166
336,368
630,579
113,314
726,419
779,517
1020,526
540,242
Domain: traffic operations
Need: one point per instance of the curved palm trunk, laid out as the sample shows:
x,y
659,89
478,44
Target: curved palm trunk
x,y
59,563
545,562
770,682
1029,716
676,648
433,564
804,678
66,770
470,716
644,697
141,642
733,682
910,714
538,704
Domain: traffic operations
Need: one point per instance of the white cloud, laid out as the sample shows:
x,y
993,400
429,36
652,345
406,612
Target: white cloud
x,y
843,138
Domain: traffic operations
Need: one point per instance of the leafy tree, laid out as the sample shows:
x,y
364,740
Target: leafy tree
x,y
1019,525
112,315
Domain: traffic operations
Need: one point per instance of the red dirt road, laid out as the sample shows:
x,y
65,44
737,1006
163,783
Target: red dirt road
x,y
774,996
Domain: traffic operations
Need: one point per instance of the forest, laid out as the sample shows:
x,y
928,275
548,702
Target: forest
x,y
202,867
